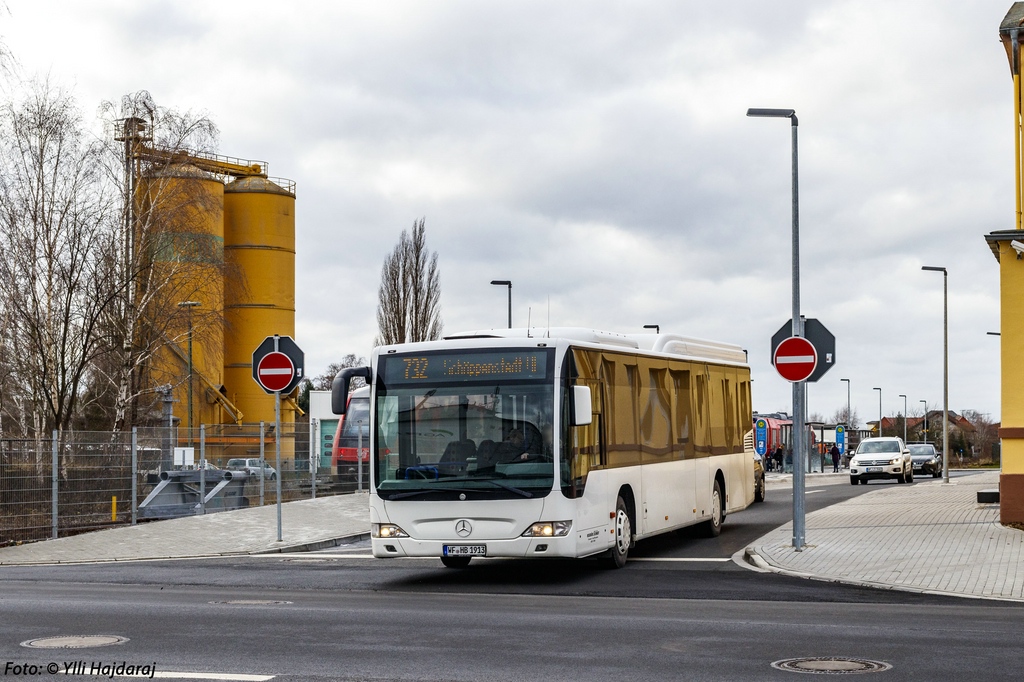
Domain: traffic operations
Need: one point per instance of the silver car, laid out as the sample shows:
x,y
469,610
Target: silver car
x,y
886,457
252,465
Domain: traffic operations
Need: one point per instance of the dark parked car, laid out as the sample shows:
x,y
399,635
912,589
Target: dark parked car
x,y
926,459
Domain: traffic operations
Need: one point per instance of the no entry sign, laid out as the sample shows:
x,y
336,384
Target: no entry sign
x,y
821,338
277,364
275,371
795,359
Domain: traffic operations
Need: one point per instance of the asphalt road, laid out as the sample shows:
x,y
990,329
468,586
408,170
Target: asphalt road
x,y
680,610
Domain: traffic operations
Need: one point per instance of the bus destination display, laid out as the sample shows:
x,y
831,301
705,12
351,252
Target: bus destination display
x,y
482,366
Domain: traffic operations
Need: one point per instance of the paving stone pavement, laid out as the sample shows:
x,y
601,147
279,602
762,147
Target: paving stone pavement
x,y
930,537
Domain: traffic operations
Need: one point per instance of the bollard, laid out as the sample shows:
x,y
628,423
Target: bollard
x,y
113,508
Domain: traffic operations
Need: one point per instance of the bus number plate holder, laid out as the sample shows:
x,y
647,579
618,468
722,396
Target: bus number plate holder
x,y
464,550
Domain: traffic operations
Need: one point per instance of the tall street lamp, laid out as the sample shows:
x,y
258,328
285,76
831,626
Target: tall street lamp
x,y
799,387
904,418
189,305
945,368
849,419
876,388
925,403
655,327
506,283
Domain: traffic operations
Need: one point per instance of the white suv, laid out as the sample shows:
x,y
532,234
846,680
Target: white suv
x,y
252,466
881,458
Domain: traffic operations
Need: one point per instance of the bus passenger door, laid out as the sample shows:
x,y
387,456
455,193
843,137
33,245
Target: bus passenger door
x,y
586,445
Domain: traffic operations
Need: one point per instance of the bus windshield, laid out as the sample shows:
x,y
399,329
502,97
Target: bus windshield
x,y
484,433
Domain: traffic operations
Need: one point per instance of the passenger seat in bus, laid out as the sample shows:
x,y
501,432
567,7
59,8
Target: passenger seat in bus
x,y
486,454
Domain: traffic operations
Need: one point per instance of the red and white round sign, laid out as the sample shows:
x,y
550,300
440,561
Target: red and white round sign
x,y
795,359
275,371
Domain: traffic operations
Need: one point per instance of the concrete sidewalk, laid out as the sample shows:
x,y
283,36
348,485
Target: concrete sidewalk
x,y
305,525
928,537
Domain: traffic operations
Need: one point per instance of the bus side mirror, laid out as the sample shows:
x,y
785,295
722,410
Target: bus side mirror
x,y
582,408
339,387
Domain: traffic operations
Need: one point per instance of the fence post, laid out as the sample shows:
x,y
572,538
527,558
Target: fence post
x,y
202,468
314,461
53,482
135,473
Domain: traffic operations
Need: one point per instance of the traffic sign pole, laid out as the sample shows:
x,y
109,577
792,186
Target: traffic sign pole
x,y
277,366
277,450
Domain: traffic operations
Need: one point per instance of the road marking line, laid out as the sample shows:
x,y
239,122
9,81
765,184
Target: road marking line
x,y
683,559
230,677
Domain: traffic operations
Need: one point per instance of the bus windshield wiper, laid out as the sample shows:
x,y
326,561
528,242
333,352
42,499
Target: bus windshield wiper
x,y
424,491
413,493
492,481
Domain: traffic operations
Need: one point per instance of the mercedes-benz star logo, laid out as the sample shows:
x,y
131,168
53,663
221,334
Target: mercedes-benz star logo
x,y
463,528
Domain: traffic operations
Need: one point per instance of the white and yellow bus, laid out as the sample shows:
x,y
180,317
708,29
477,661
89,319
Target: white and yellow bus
x,y
562,443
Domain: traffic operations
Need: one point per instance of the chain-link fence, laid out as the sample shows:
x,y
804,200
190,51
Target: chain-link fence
x,y
65,483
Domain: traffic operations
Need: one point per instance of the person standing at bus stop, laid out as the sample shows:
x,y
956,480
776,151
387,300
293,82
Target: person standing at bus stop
x,y
835,458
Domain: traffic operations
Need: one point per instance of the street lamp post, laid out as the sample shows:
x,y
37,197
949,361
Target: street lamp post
x,y
879,410
655,327
945,368
925,402
904,418
506,283
799,387
849,419
189,305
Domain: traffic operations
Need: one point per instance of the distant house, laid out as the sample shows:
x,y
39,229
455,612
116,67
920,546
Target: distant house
x,y
966,438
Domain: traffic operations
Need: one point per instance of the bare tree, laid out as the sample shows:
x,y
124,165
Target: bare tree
x,y
160,261
409,297
851,420
59,223
983,440
322,382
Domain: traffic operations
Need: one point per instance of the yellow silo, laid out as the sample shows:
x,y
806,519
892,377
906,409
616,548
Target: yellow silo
x,y
182,228
259,248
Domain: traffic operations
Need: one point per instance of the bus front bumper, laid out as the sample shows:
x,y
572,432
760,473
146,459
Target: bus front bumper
x,y
519,548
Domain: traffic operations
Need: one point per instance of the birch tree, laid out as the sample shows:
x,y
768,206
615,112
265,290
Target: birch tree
x,y
147,148
58,229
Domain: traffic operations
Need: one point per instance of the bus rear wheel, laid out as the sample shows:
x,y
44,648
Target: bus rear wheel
x,y
713,526
455,561
623,536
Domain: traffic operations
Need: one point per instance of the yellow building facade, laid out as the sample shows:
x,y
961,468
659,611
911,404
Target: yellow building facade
x,y
1008,248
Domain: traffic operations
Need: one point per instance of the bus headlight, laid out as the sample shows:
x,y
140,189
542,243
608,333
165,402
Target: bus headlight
x,y
387,530
548,529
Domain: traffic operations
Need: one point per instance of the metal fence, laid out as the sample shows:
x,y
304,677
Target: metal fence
x,y
66,483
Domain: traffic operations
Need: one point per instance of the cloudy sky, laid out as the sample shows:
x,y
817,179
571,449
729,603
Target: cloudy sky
x,y
597,153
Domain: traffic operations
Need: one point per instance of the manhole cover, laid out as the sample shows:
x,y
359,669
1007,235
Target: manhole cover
x,y
251,602
74,641
831,666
